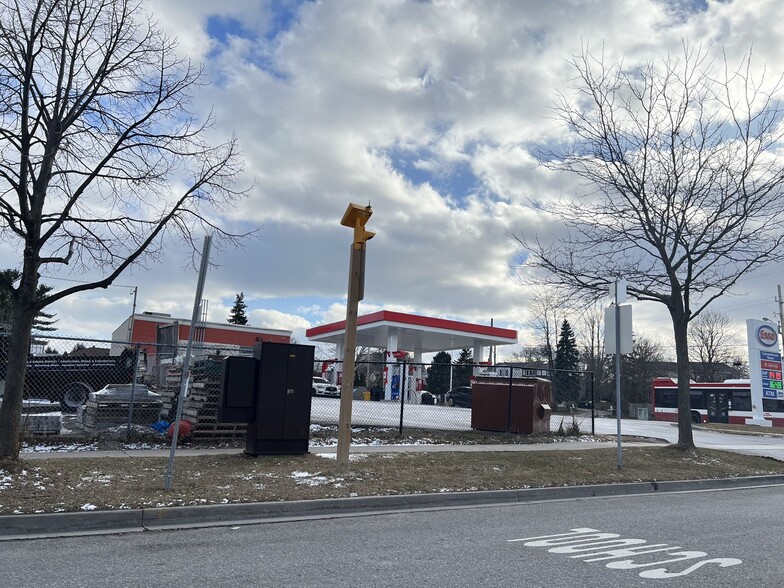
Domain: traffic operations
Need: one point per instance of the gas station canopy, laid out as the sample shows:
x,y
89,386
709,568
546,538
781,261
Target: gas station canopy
x,y
395,331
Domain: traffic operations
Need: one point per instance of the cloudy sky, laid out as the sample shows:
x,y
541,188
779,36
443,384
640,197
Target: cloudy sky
x,y
429,111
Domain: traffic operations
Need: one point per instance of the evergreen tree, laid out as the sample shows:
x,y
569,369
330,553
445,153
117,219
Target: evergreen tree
x,y
44,321
566,383
237,314
463,369
438,373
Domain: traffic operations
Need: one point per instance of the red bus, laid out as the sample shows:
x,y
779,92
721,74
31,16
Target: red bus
x,y
713,402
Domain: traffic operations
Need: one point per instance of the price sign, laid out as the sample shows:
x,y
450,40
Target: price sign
x,y
771,372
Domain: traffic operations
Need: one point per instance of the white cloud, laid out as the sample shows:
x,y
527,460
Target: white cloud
x,y
325,110
273,319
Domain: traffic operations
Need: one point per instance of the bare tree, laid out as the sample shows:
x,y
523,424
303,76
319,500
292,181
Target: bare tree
x,y
683,191
712,347
100,157
546,311
640,368
529,355
591,340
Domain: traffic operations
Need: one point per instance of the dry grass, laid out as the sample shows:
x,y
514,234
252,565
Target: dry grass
x,y
65,485
320,436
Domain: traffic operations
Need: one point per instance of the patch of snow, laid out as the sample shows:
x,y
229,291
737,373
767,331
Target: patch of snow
x,y
89,506
314,479
351,456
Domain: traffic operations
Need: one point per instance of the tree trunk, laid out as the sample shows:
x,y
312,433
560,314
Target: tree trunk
x,y
11,408
680,329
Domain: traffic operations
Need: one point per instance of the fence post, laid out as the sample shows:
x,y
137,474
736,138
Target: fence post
x,y
593,407
186,364
402,395
133,390
509,404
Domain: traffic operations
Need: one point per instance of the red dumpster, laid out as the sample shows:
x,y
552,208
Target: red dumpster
x,y
514,406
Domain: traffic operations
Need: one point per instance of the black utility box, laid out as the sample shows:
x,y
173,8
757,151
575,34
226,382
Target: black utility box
x,y
238,390
271,392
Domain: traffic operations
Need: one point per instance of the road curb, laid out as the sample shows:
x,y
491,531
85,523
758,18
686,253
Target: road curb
x,y
217,515
64,524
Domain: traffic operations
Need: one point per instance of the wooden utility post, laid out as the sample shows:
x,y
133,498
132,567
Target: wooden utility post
x,y
356,217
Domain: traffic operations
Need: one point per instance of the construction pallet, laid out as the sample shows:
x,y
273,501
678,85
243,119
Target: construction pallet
x,y
236,432
32,432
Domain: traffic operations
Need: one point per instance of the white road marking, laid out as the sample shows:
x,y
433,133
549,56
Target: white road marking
x,y
586,543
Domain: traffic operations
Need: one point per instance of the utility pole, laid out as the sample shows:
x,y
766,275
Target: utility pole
x,y
617,310
133,314
356,217
781,316
618,340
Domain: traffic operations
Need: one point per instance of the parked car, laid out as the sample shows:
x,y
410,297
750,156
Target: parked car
x,y
111,405
124,393
323,388
460,396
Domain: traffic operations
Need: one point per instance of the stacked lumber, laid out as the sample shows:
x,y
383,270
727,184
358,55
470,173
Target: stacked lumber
x,y
201,406
170,388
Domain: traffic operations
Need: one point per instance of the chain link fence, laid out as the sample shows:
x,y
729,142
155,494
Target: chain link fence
x,y
89,387
85,387
437,396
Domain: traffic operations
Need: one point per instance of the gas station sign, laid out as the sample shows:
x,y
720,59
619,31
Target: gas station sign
x,y
765,369
770,370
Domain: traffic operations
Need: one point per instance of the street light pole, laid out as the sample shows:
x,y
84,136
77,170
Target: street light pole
x,y
355,217
618,370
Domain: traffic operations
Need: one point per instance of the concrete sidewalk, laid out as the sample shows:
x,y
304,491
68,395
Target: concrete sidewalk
x,y
418,448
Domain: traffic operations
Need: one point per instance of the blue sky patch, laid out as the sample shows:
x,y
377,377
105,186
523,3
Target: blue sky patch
x,y
284,16
450,179
220,29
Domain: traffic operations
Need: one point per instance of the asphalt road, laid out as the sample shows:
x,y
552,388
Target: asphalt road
x,y
718,539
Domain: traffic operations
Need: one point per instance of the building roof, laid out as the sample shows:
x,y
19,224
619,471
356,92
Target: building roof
x,y
415,333
168,319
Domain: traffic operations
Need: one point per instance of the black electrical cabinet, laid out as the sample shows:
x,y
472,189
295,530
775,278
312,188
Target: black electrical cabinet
x,y
271,392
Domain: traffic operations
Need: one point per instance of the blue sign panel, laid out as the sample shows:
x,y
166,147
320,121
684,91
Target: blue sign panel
x,y
395,387
770,355
769,393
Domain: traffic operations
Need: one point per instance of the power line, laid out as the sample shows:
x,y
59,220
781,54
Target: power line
x,y
83,282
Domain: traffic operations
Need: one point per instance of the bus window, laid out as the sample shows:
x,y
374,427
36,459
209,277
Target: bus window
x,y
770,405
697,400
667,398
740,400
